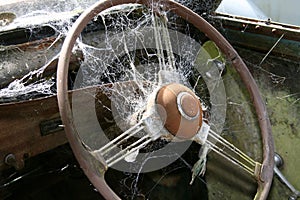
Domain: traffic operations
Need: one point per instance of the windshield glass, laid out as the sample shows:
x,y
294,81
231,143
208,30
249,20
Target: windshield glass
x,y
273,10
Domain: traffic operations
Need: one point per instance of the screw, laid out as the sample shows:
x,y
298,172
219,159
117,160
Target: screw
x,y
10,160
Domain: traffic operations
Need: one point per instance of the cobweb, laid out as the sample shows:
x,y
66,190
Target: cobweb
x,y
19,59
122,46
28,62
28,68
136,52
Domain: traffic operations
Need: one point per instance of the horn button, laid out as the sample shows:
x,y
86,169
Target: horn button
x,y
180,109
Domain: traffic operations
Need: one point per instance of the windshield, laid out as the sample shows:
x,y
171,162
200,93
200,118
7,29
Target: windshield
x,y
285,12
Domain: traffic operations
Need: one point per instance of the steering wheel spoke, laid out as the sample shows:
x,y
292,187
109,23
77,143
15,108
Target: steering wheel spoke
x,y
209,139
112,153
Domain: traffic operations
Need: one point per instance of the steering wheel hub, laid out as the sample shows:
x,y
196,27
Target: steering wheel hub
x,y
180,109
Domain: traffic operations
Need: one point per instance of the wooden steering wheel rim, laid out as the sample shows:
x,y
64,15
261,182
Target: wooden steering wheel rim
x,y
266,176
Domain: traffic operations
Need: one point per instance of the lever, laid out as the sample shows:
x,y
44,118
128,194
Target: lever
x,y
278,163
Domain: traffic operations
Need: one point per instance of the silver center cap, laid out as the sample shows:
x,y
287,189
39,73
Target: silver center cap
x,y
188,106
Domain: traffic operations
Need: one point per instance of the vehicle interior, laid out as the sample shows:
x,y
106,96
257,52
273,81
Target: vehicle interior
x,y
149,99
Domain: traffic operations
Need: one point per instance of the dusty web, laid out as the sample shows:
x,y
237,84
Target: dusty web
x,y
132,51
50,19
136,48
136,52
32,33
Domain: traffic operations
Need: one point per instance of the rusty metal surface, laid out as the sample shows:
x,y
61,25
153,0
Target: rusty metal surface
x,y
262,34
20,133
269,28
65,110
32,127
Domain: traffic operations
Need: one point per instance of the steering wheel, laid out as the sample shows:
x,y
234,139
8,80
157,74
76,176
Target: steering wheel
x,y
178,101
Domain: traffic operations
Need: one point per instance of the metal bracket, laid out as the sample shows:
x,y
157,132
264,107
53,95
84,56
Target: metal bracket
x,y
202,134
